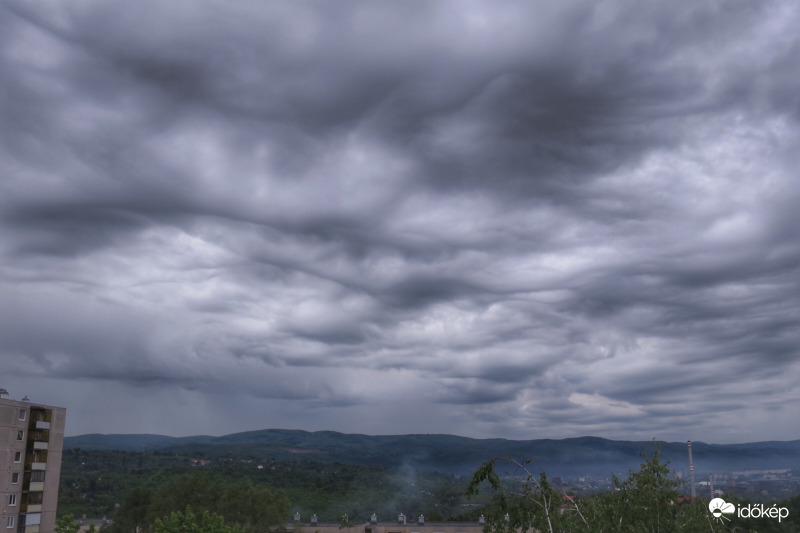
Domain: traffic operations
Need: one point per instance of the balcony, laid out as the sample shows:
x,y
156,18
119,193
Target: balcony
x,y
36,486
38,466
39,445
42,424
34,508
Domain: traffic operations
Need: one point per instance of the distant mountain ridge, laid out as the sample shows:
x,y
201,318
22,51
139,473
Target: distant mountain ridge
x,y
591,456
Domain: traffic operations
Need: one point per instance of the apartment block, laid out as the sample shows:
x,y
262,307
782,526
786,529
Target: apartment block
x,y
401,525
31,444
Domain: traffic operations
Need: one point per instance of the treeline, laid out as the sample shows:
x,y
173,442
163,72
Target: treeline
x,y
647,501
242,504
95,483
152,486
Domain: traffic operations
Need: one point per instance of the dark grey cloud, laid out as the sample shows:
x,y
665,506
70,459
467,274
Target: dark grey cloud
x,y
516,220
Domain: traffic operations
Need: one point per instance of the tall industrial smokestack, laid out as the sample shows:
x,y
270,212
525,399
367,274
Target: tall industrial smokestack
x,y
691,469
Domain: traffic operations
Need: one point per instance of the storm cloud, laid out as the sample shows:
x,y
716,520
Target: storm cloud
x,y
505,219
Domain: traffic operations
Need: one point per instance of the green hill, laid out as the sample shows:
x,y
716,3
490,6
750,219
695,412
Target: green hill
x,y
583,456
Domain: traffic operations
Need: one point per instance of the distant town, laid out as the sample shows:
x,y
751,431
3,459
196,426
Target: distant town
x,y
750,484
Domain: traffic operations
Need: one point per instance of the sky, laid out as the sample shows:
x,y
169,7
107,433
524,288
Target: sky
x,y
491,219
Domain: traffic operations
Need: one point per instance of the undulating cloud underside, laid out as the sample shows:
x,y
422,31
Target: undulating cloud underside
x,y
515,219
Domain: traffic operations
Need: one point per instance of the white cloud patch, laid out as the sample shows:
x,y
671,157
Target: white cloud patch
x,y
605,407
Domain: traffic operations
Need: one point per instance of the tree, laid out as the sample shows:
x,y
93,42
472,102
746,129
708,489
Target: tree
x,y
187,522
132,516
531,504
252,508
647,501
344,522
67,524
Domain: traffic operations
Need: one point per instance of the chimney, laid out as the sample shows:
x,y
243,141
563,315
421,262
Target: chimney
x,y
691,469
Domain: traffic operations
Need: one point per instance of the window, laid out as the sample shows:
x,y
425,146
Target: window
x,y
23,414
37,476
12,500
14,478
10,521
17,457
21,435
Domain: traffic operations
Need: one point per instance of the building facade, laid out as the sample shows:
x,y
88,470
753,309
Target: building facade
x,y
401,525
31,444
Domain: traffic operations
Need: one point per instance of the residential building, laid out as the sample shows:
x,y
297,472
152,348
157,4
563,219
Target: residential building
x,y
31,444
401,525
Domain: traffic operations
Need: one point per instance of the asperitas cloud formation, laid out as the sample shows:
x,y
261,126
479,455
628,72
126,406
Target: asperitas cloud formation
x,y
493,219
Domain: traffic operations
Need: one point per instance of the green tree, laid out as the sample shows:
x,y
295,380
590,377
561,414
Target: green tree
x,y
344,522
252,508
132,516
529,504
67,524
187,522
647,501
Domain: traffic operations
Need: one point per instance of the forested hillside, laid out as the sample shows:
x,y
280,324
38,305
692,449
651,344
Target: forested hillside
x,y
584,456
256,495
94,482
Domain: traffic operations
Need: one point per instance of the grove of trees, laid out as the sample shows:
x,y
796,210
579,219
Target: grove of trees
x,y
243,505
648,501
157,495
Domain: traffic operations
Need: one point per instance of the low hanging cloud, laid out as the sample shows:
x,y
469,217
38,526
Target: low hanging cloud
x,y
513,220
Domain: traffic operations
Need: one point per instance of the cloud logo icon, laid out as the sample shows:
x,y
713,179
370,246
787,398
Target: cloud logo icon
x,y
719,507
